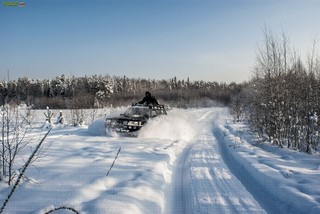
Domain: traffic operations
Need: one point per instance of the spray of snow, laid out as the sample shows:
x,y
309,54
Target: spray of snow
x,y
98,127
177,125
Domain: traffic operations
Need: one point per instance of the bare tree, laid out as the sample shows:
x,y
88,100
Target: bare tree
x,y
13,139
23,169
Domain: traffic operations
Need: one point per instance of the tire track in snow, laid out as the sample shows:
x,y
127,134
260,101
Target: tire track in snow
x,y
202,182
269,202
177,202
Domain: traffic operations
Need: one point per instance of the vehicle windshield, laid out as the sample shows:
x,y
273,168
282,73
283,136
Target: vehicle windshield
x,y
136,112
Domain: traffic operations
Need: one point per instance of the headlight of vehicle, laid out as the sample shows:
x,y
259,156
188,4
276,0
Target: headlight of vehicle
x,y
133,123
108,121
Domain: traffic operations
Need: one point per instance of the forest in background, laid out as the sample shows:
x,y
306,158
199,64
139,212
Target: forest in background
x,y
98,91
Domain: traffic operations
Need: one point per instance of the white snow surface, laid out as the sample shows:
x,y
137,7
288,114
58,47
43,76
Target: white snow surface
x,y
189,161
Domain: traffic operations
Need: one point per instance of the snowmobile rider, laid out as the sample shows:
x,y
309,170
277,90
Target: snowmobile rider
x,y
148,99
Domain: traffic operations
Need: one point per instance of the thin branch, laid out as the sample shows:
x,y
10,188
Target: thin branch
x,y
114,161
63,208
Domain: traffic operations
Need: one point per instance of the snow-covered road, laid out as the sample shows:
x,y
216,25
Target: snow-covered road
x,y
191,162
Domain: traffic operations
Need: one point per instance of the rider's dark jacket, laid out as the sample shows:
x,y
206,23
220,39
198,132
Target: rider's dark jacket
x,y
149,100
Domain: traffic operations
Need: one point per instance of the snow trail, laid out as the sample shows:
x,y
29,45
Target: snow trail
x,y
203,183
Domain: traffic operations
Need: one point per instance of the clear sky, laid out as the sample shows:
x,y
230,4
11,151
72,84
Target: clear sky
x,y
211,40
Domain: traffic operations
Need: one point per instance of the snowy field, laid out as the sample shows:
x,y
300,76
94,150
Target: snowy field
x,y
190,161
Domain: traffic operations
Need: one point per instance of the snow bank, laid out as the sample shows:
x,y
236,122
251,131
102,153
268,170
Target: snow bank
x,y
285,181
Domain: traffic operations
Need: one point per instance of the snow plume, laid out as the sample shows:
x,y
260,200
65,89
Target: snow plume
x,y
177,125
98,127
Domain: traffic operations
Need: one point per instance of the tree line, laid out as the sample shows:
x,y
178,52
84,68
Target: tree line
x,y
95,91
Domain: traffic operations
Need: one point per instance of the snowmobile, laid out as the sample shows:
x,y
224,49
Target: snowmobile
x,y
133,119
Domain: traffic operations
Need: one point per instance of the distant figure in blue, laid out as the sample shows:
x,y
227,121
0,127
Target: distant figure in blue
x,y
148,99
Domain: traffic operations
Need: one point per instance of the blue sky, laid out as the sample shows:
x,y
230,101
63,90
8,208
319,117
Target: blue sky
x,y
201,39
